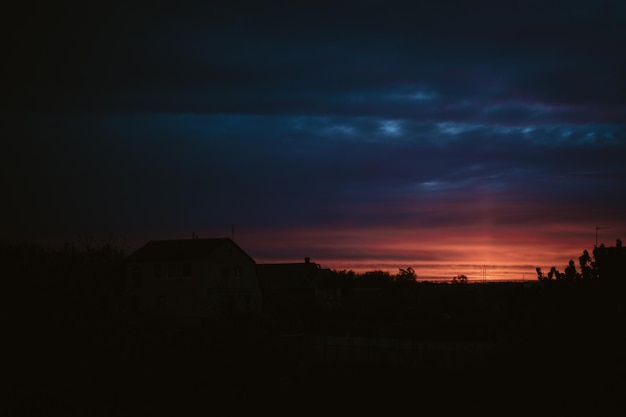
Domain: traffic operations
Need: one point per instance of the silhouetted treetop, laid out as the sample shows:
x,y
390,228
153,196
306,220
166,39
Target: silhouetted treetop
x,y
406,275
607,264
460,279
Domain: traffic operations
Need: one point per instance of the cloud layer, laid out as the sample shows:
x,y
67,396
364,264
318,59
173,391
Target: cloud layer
x,y
369,135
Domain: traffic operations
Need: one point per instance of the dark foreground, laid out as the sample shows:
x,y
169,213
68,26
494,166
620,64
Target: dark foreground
x,y
536,351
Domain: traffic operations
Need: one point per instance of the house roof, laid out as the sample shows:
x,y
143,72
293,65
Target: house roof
x,y
180,249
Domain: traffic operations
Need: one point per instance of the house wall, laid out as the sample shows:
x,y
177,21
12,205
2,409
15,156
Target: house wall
x,y
223,282
233,283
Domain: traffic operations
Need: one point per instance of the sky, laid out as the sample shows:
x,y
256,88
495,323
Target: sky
x,y
484,138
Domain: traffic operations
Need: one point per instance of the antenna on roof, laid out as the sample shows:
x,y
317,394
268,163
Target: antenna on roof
x,y
598,228
232,231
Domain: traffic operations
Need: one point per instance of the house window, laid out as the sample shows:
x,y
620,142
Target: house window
x,y
186,271
136,276
238,271
171,271
158,272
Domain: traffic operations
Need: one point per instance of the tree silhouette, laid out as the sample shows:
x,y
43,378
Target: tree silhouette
x,y
406,275
540,275
570,271
375,278
587,266
460,279
555,274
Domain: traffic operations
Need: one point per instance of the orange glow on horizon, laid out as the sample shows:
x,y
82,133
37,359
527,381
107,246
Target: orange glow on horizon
x,y
506,253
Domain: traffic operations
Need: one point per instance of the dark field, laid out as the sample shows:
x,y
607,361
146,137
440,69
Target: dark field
x,y
551,348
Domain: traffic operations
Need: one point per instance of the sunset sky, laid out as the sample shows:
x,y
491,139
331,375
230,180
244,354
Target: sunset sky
x,y
443,136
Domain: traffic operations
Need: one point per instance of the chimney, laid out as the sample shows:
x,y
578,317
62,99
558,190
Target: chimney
x,y
307,260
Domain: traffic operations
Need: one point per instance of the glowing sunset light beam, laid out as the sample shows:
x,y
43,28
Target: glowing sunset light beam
x,y
441,253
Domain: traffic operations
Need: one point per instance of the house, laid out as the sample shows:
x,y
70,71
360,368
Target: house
x,y
610,263
193,278
295,287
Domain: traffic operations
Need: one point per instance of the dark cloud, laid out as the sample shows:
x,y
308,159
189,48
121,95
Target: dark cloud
x,y
282,116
